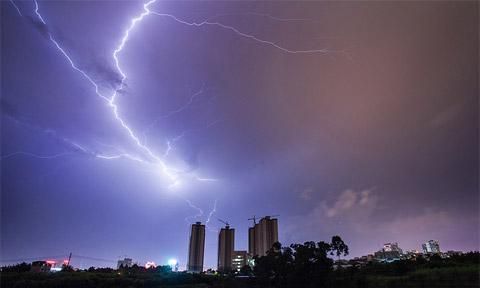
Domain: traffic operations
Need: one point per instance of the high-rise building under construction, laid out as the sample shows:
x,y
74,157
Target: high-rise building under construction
x,y
226,246
196,248
262,236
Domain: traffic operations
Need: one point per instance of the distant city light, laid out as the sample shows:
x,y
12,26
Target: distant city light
x,y
172,262
51,262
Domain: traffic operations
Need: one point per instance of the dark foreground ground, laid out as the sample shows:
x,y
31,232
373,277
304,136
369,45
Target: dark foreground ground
x,y
281,268
465,276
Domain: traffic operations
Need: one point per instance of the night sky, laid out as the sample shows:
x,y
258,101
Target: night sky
x,y
351,118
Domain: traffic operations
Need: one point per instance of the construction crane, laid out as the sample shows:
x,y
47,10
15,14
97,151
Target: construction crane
x,y
227,225
254,218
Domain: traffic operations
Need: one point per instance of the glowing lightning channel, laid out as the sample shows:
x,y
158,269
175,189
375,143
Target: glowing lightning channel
x,y
36,155
16,7
275,18
178,110
111,102
242,34
213,211
169,172
97,91
172,174
38,14
200,211
170,142
182,108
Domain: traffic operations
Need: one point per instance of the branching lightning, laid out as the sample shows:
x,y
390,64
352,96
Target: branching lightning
x,y
213,211
21,153
176,111
171,173
242,34
199,214
275,18
173,140
188,104
148,155
168,171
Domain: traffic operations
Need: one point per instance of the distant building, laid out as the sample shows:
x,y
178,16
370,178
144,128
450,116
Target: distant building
x,y
196,248
251,240
390,252
262,236
226,245
126,262
41,266
431,247
358,261
411,254
392,247
239,259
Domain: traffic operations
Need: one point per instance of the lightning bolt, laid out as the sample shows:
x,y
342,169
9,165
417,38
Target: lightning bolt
x,y
242,34
75,147
16,7
213,211
176,111
199,214
149,157
171,173
188,104
21,153
172,141
275,18
111,101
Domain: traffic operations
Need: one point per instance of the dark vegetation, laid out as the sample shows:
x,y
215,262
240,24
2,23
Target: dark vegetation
x,y
299,265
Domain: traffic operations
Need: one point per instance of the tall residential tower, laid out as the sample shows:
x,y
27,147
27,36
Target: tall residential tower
x,y
262,236
226,245
431,246
196,248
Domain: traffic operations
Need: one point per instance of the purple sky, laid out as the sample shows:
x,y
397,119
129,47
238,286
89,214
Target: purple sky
x,y
350,118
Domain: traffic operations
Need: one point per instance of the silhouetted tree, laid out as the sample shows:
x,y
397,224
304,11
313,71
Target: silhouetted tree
x,y
338,247
246,270
300,265
67,268
19,268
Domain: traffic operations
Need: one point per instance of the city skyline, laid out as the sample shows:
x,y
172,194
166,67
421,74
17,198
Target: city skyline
x,y
351,119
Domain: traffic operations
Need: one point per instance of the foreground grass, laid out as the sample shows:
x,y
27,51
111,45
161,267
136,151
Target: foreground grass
x,y
466,276
445,277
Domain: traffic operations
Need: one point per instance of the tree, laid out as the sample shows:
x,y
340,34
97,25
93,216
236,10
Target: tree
x,y
67,268
300,265
246,270
338,247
